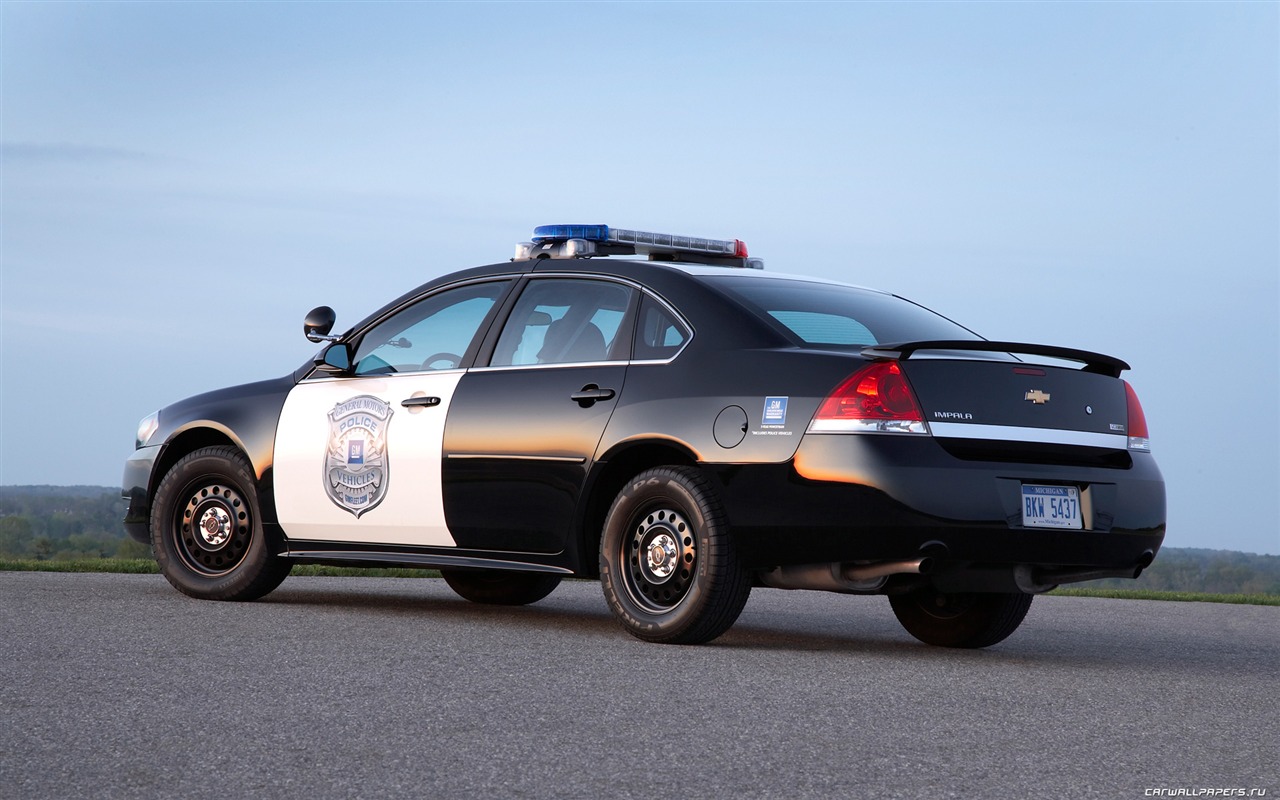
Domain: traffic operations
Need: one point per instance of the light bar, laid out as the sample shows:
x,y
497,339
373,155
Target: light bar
x,y
642,241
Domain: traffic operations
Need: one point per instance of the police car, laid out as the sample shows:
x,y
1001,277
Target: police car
x,y
662,414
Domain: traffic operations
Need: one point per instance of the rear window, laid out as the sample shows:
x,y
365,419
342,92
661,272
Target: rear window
x,y
831,315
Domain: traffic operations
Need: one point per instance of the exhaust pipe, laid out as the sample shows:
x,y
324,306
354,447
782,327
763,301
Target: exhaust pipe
x,y
1038,581
855,572
843,578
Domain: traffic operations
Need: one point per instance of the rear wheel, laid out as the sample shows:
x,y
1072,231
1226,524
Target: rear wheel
x,y
667,565
206,530
961,619
499,588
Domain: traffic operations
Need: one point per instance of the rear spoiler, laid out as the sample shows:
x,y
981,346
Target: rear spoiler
x,y
1093,362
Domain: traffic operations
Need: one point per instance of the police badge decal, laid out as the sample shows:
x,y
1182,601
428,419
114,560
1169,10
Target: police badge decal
x,y
355,465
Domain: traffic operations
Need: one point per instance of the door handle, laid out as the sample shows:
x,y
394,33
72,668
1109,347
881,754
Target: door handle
x,y
413,402
590,393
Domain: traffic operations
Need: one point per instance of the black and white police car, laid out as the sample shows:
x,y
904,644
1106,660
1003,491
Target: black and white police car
x,y
684,427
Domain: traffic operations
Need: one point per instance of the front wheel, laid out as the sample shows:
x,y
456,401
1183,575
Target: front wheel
x,y
667,565
961,619
500,588
206,529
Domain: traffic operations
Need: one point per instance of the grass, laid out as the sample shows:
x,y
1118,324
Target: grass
x,y
128,566
1182,597
145,566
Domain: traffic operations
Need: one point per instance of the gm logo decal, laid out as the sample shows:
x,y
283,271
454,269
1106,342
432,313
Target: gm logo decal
x,y
775,411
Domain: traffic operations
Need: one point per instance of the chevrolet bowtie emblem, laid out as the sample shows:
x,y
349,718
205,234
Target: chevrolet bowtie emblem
x,y
1038,397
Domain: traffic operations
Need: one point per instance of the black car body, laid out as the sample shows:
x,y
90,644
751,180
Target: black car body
x,y
682,428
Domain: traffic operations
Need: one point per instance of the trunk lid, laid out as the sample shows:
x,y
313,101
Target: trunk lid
x,y
1009,410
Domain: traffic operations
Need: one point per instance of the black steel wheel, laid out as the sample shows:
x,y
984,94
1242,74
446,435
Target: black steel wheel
x,y
960,620
206,530
500,587
667,565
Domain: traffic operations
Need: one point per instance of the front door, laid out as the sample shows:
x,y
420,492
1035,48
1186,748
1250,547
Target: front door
x,y
358,455
354,463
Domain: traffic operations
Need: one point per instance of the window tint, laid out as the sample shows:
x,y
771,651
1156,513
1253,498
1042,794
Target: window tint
x,y
817,327
827,314
434,333
659,334
558,321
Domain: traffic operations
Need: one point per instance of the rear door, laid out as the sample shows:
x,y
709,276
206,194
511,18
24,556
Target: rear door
x,y
524,427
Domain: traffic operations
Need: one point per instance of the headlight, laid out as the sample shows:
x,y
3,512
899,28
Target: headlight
x,y
146,428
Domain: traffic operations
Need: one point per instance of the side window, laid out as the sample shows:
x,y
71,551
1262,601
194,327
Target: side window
x,y
659,334
565,320
431,334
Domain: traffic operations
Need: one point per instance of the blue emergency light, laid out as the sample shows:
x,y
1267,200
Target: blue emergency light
x,y
585,241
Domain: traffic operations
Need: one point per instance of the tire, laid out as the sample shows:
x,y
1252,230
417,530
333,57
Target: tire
x,y
668,568
499,587
206,529
960,620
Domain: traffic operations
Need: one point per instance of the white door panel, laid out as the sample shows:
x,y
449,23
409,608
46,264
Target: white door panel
x,y
354,465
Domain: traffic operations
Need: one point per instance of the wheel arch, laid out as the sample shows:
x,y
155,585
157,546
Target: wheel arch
x,y
613,470
187,440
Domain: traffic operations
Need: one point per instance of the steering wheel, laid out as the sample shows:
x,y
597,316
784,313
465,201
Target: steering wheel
x,y
453,359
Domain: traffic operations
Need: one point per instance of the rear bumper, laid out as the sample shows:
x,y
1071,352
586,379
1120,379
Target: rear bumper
x,y
876,498
135,487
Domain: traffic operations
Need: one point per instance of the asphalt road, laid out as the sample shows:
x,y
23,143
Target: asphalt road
x,y
117,686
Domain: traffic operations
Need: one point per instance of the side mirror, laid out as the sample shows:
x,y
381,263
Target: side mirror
x,y
318,323
335,358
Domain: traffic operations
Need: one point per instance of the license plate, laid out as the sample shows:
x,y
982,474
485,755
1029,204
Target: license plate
x,y
1050,507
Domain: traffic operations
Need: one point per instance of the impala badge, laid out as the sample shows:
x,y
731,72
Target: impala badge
x,y
1038,397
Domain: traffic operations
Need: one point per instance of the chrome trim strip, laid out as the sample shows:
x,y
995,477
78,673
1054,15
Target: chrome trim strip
x,y
561,365
313,377
565,364
514,457
1010,433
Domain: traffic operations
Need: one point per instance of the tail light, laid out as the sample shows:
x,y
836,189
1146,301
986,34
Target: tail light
x,y
875,399
1139,439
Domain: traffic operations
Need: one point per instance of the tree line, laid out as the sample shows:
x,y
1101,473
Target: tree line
x,y
65,522
77,522
1194,569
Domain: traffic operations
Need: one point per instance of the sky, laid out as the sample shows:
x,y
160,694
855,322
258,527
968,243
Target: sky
x,y
182,182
